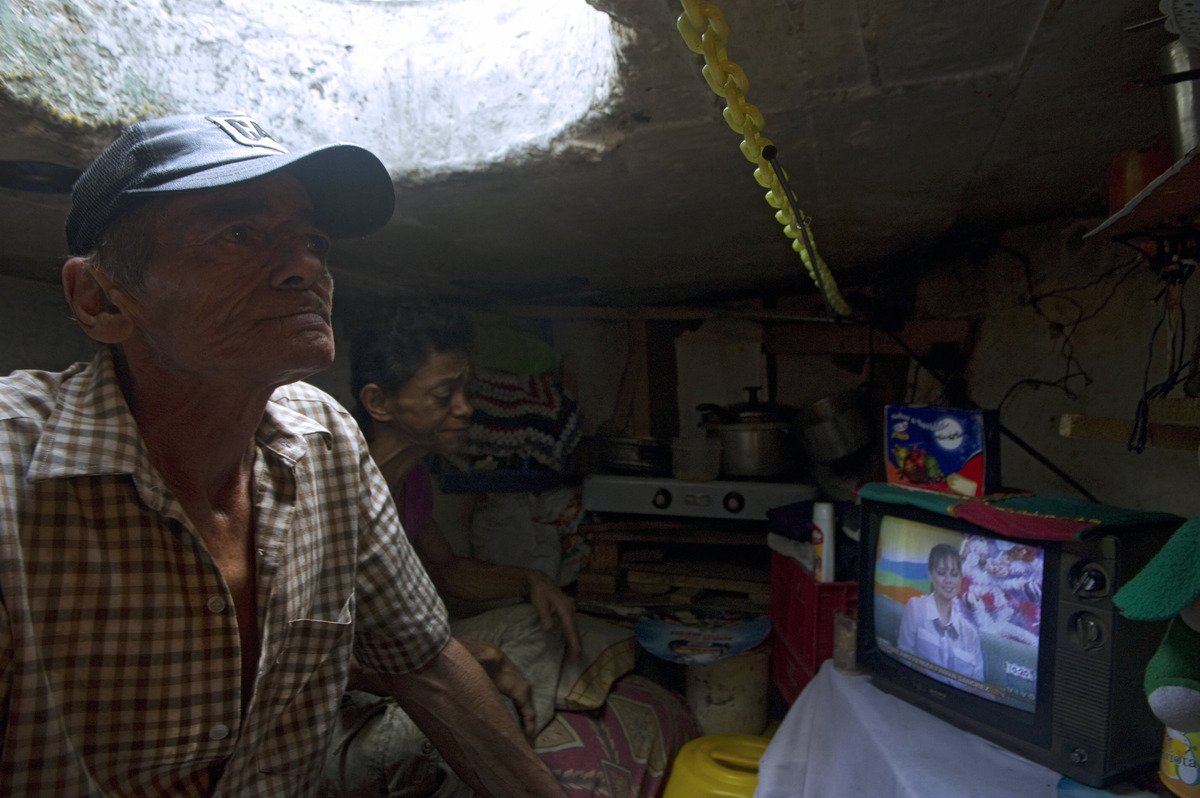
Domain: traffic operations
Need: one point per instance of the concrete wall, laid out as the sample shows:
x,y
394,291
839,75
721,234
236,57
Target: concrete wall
x,y
1081,348
36,330
1066,326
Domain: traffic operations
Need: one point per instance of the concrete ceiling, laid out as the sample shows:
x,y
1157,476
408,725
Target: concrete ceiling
x,y
907,128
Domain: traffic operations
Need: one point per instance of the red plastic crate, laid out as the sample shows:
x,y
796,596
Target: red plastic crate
x,y
802,612
788,673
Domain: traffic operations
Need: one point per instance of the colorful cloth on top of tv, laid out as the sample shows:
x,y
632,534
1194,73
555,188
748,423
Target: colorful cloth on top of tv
x,y
1028,516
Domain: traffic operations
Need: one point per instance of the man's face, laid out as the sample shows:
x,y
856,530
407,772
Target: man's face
x,y
237,286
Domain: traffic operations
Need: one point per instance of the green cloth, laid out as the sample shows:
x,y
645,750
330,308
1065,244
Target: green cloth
x,y
504,343
1176,662
1169,582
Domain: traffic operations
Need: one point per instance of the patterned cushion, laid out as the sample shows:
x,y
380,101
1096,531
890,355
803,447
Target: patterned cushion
x,y
608,652
624,749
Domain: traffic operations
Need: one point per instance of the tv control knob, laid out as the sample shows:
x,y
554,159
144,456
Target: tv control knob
x,y
1079,756
734,502
1091,582
1088,631
662,499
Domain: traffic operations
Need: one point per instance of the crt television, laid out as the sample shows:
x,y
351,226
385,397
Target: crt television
x,y
1034,656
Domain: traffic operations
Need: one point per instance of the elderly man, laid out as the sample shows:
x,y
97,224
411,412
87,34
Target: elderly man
x,y
192,543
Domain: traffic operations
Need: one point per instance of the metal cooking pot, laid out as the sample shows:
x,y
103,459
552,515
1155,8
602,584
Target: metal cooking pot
x,y
756,437
632,455
835,427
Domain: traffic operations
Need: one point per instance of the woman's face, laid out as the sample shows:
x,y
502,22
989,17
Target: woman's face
x,y
946,578
431,410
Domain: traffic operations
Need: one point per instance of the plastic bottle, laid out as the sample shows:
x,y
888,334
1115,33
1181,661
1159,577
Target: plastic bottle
x,y
823,535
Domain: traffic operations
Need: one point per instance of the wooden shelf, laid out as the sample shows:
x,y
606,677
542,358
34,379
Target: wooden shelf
x,y
609,541
1173,424
812,338
674,562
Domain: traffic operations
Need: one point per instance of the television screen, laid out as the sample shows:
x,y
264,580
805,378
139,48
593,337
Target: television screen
x,y
961,608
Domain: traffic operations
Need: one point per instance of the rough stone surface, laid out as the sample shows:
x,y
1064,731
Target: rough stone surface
x,y
432,87
606,173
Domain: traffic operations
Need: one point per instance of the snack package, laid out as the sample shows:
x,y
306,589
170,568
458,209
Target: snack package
x,y
942,448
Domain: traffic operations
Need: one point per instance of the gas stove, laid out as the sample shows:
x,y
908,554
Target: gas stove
x,y
730,499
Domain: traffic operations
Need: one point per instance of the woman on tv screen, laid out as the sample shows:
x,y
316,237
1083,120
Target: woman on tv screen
x,y
935,626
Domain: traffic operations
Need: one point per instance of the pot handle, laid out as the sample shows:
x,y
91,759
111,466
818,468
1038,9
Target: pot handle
x,y
716,410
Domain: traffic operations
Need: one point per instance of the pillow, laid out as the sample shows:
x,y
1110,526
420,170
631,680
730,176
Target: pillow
x,y
607,652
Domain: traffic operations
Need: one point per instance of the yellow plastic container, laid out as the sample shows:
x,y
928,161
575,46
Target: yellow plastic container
x,y
1178,768
717,766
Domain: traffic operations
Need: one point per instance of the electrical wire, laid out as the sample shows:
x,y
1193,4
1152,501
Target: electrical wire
x,y
1171,297
1039,302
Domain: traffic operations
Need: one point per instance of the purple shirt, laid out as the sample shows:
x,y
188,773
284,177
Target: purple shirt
x,y
418,500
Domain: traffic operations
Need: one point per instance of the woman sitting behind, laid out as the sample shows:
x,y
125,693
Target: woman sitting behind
x,y
410,372
410,375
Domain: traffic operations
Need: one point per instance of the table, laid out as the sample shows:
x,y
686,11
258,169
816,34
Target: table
x,y
845,737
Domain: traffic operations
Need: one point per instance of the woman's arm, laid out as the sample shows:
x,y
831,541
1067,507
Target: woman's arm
x,y
976,646
475,580
907,639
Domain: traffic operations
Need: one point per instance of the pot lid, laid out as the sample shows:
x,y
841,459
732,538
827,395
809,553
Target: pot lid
x,y
749,411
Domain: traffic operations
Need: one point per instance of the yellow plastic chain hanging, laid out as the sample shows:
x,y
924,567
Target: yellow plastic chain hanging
x,y
705,32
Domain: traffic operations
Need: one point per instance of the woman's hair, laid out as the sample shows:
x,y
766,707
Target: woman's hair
x,y
389,350
942,552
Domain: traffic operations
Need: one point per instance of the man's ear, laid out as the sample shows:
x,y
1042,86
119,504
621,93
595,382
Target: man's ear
x,y
375,401
90,295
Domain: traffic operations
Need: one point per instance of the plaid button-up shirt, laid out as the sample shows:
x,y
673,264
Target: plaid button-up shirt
x,y
119,652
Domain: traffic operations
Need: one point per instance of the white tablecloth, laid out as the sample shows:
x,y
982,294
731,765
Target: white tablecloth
x,y
845,737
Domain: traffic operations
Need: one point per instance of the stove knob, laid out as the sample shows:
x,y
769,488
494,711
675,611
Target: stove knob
x,y
734,502
662,499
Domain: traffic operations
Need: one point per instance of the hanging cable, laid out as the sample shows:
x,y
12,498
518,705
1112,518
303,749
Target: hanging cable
x,y
705,31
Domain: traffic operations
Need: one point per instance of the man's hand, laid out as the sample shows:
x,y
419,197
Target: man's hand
x,y
555,608
508,680
452,700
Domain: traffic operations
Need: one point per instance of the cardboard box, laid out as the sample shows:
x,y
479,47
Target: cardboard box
x,y
943,448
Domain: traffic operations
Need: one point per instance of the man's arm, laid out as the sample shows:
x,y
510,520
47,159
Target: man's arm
x,y
454,703
507,678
